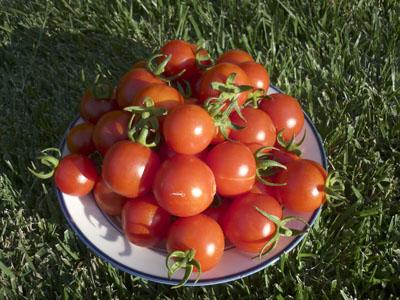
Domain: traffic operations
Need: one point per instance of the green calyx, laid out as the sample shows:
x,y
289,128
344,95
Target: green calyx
x,y
144,126
182,260
102,88
265,166
159,68
291,145
47,160
186,90
253,100
281,230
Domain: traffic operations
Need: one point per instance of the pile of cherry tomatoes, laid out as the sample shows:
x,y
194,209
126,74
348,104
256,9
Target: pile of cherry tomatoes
x,y
193,154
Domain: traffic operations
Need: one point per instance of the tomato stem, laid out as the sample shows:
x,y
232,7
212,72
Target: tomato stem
x,y
183,260
291,145
47,160
265,166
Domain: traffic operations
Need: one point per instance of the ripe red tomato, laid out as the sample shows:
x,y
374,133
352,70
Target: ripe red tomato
x,y
282,156
200,233
184,186
111,128
182,57
79,139
220,73
161,94
219,137
91,109
245,227
305,186
259,128
234,168
75,175
218,212
108,201
144,222
258,75
235,56
139,64
129,168
261,188
286,113
132,83
188,129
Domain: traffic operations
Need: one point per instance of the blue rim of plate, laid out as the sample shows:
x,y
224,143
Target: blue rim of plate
x,y
204,282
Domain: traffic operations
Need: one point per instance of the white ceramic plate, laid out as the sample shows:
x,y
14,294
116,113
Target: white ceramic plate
x,y
104,237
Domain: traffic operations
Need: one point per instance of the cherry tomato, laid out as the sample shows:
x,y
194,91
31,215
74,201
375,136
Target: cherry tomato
x,y
200,233
258,75
219,73
132,83
139,64
188,129
111,128
245,227
261,188
286,113
217,212
144,222
75,175
184,186
258,127
161,94
235,56
91,109
79,139
182,57
219,137
283,156
108,201
305,186
165,152
129,168
234,168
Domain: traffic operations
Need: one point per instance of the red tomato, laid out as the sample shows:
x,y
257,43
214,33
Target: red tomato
x,y
144,222
165,152
234,168
219,137
258,75
91,109
132,83
108,201
282,156
261,188
139,64
188,129
129,168
218,212
200,233
161,94
259,128
75,175
184,186
111,128
245,227
305,186
286,113
219,73
182,57
79,139
235,56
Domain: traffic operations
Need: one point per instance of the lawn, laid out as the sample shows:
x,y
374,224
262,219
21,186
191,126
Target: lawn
x,y
341,59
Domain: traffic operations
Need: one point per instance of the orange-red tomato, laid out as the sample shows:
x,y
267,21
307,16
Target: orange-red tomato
x,y
219,137
286,113
200,233
111,128
234,168
129,168
91,109
79,139
161,94
182,57
258,75
261,188
184,186
235,56
144,222
188,129
218,212
108,201
139,64
283,156
245,227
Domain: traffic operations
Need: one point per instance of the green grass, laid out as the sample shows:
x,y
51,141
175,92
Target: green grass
x,y
340,58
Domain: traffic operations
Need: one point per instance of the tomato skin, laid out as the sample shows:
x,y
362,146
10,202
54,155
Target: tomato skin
x,y
219,137
79,139
108,201
259,128
92,109
234,56
129,168
75,175
258,75
234,168
139,64
132,83
245,227
283,156
286,113
161,94
305,186
200,233
111,128
144,222
260,188
188,129
218,213
184,186
219,73
182,57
